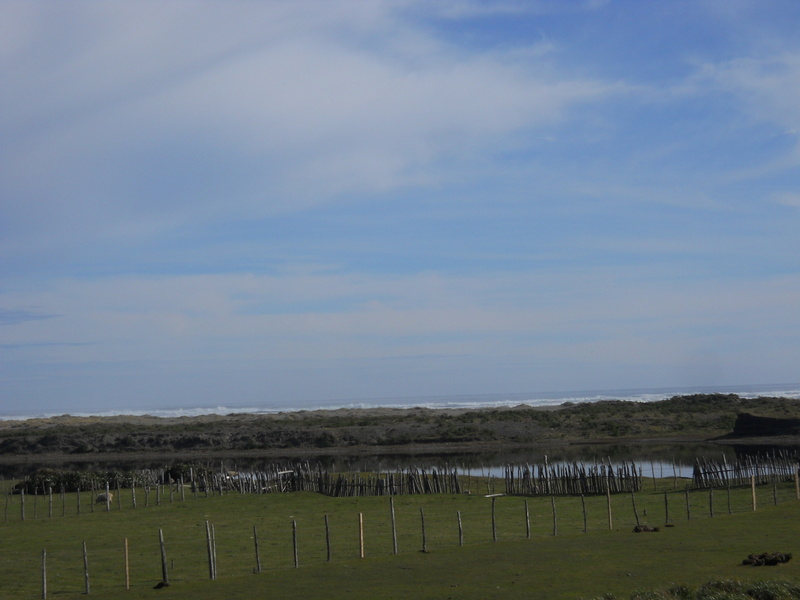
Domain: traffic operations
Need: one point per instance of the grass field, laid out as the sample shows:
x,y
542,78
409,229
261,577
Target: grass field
x,y
572,564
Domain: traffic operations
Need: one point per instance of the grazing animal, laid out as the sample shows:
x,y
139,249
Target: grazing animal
x,y
103,498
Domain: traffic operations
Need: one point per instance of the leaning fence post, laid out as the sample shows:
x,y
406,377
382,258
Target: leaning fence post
x,y
460,529
210,552
608,505
688,508
327,539
635,512
258,556
583,506
555,518
164,573
527,522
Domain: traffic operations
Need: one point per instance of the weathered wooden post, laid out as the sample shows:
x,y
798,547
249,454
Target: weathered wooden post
x,y
666,507
494,521
527,522
108,498
50,502
555,518
775,491
164,573
394,525
294,543
460,529
728,491
85,569
424,536
327,539
22,503
258,556
635,512
711,502
688,508
127,566
210,551
361,535
608,506
583,506
44,574
753,491
78,496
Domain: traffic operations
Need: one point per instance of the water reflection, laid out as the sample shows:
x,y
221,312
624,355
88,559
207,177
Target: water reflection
x,y
659,460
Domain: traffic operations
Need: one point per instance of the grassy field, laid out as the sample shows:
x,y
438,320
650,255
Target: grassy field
x,y
571,564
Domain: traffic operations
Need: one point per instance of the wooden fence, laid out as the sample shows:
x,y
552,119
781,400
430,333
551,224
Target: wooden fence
x,y
774,467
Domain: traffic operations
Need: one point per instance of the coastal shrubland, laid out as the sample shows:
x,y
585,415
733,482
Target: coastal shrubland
x,y
694,417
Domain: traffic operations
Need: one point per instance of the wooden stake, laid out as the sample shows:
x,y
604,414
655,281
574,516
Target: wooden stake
x,y
361,535
210,551
555,518
78,495
394,526
424,536
460,529
22,503
50,502
258,556
608,506
796,486
85,569
328,539
635,512
494,521
44,574
164,573
527,522
753,490
775,491
127,566
294,543
688,508
583,506
108,498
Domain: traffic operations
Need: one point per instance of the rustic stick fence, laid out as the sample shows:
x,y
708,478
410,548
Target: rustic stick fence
x,y
774,467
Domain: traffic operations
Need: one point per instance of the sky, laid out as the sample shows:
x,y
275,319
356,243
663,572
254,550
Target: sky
x,y
269,203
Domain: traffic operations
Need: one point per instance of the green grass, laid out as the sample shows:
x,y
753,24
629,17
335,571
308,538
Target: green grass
x,y
571,565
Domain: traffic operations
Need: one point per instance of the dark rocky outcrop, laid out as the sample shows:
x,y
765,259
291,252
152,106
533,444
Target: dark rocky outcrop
x,y
748,425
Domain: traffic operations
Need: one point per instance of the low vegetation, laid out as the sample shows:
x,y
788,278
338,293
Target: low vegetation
x,y
686,417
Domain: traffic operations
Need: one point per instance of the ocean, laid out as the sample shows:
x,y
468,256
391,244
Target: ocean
x,y
787,390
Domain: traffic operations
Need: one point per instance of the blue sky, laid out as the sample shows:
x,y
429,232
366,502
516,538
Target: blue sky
x,y
282,203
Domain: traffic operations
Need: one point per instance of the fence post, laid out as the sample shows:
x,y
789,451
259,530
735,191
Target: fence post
x,y
711,502
424,537
361,535
460,529
753,491
127,567
210,552
608,505
294,543
44,574
85,569
164,573
527,522
328,538
635,512
583,506
258,556
22,503
494,521
555,518
394,526
688,508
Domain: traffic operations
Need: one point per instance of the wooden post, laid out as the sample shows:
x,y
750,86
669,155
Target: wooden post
x,y
527,522
711,502
666,507
44,574
775,491
583,506
22,503
494,521
555,518
635,512
688,508
127,566
294,543
50,502
85,569
608,505
258,556
210,551
361,535
63,501
183,490
753,490
108,498
133,494
78,495
728,490
119,496
164,573
214,548
424,536
394,526
327,539
460,529
796,486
